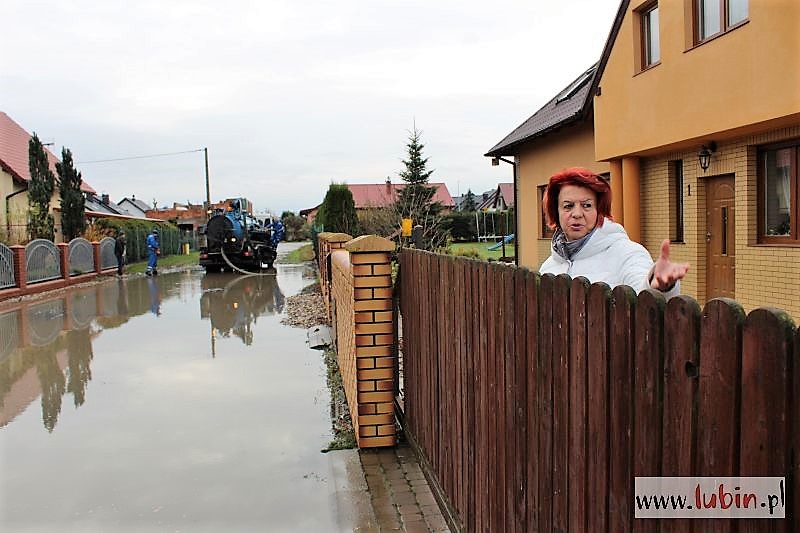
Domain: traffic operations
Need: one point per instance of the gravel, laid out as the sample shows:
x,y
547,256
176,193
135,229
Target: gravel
x,y
306,309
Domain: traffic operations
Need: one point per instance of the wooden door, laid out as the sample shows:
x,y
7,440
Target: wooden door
x,y
720,237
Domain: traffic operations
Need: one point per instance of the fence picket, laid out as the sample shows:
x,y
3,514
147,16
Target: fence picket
x,y
719,390
681,352
544,402
599,426
520,400
623,307
647,392
767,339
531,354
578,395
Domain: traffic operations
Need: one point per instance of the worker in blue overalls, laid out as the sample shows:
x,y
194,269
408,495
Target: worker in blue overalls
x,y
278,231
153,251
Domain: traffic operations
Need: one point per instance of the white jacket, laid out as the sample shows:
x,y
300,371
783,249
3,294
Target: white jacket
x,y
610,257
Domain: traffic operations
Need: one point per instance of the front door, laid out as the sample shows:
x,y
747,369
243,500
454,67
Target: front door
x,y
720,237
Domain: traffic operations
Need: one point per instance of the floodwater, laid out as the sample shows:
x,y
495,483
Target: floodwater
x,y
174,403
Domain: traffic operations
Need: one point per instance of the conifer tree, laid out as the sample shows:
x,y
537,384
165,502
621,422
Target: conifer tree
x,y
415,199
73,203
469,204
338,210
41,224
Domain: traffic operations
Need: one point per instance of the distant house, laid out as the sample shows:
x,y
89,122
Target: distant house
x,y
377,195
135,207
500,199
374,195
14,178
559,135
188,217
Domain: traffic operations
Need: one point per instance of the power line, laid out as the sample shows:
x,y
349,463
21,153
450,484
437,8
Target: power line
x,y
137,157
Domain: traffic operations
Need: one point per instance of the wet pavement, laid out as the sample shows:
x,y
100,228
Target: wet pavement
x,y
180,403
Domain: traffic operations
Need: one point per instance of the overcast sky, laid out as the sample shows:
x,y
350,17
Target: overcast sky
x,y
288,96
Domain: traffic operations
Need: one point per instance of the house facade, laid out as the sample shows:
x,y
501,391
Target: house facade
x,y
557,136
697,114
14,177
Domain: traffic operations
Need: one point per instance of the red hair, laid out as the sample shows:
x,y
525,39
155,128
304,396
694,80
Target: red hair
x,y
580,177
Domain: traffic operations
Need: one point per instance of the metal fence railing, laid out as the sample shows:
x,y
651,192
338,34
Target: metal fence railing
x,y
81,256
42,261
107,257
9,340
83,308
45,322
6,267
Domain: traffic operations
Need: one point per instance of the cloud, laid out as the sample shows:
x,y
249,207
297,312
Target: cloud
x,y
287,96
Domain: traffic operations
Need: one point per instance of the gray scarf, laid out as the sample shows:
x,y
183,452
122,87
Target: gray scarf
x,y
568,249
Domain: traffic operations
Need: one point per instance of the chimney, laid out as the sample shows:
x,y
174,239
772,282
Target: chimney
x,y
104,198
388,186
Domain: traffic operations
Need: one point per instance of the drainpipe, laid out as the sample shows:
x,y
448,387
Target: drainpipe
x,y
496,161
8,207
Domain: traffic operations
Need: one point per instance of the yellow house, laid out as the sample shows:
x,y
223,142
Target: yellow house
x,y
559,135
697,113
14,177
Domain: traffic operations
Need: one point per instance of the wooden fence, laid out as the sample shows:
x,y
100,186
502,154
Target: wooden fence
x,y
535,400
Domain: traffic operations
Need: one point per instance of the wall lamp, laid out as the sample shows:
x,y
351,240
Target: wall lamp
x,y
705,155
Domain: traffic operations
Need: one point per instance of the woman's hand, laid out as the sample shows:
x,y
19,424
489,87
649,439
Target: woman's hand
x,y
665,272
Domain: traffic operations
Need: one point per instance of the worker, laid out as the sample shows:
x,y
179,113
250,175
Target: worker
x,y
278,231
153,251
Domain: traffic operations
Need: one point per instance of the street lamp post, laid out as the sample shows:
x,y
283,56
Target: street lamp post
x,y
208,186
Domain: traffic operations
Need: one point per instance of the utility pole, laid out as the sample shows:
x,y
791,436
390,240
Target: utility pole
x,y
208,187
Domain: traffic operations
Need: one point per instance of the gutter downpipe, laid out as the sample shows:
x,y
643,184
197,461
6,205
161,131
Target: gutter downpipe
x,y
516,207
8,207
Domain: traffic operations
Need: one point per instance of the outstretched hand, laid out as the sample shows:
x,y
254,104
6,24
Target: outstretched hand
x,y
665,272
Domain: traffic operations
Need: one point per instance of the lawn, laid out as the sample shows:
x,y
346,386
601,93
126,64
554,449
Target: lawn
x,y
481,249
165,262
300,255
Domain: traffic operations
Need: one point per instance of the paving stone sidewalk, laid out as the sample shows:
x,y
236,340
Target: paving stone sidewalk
x,y
399,493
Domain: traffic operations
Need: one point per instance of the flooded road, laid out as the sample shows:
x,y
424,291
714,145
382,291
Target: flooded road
x,y
174,403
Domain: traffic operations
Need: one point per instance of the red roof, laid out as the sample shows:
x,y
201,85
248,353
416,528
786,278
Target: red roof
x,y
14,152
507,192
382,194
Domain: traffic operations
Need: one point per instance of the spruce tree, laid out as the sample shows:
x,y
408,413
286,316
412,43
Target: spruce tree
x,y
469,205
415,199
41,224
73,203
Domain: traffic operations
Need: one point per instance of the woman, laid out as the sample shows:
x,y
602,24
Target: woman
x,y
588,243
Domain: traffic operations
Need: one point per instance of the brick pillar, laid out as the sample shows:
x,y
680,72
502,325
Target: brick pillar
x,y
374,337
96,255
20,271
63,252
328,242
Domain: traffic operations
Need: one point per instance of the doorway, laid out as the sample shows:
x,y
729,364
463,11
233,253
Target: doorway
x,y
720,237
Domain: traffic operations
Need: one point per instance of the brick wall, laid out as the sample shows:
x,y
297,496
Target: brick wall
x,y
360,300
766,275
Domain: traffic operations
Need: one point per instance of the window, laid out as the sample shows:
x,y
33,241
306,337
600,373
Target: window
x,y
779,198
676,201
651,50
545,231
718,16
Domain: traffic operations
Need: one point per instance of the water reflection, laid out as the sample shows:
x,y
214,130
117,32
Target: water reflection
x,y
233,302
46,346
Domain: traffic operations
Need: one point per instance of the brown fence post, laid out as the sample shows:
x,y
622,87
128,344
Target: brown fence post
x,y
372,293
20,272
96,256
63,254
